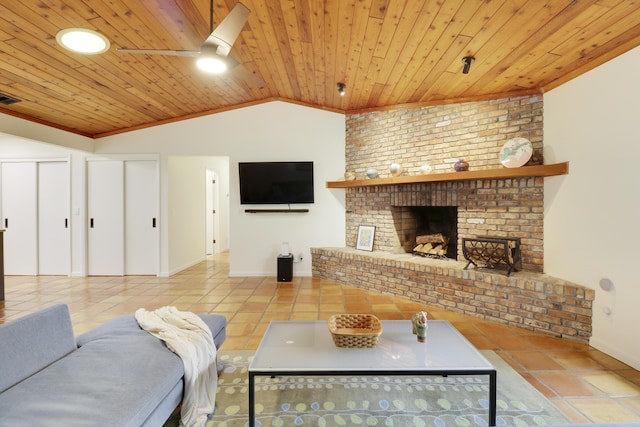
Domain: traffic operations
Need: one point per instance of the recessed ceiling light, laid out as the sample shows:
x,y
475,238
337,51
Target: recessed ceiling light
x,y
82,40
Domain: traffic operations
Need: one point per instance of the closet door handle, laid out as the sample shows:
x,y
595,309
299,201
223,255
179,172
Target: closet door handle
x,y
66,223
6,223
91,223
153,223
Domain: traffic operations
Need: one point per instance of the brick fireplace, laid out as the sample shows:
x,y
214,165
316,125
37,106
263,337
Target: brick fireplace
x,y
503,208
510,208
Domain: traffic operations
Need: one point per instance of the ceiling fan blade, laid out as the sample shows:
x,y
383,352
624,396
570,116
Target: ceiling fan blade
x,y
161,52
226,33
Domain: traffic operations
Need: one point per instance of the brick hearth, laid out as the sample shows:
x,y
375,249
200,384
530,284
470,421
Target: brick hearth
x,y
529,300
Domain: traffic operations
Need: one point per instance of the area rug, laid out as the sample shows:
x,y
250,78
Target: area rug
x,y
453,401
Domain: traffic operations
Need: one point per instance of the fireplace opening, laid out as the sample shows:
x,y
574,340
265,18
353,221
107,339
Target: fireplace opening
x,y
427,224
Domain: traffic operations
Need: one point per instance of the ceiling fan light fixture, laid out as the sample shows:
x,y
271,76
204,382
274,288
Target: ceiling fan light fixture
x,y
82,40
211,64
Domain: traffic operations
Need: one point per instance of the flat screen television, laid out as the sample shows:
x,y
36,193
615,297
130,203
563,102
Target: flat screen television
x,y
275,182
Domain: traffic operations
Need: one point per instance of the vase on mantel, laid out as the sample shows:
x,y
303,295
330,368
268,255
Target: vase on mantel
x,y
395,169
461,165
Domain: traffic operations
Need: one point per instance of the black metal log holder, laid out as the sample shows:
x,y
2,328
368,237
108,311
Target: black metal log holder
x,y
492,252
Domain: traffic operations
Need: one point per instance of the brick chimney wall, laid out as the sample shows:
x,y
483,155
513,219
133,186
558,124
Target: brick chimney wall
x,y
440,135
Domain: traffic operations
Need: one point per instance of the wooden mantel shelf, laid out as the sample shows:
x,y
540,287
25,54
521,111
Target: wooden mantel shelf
x,y
503,173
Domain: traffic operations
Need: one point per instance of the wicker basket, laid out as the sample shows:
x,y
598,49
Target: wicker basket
x,y
355,330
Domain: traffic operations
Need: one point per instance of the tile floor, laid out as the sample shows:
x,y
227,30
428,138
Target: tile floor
x,y
587,385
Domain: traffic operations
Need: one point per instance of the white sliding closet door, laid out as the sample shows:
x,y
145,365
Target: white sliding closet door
x,y
54,250
19,218
141,217
105,209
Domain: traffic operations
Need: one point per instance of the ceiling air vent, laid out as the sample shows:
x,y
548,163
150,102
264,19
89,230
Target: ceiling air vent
x,y
6,99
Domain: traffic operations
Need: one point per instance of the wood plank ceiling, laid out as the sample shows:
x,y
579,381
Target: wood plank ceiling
x,y
387,52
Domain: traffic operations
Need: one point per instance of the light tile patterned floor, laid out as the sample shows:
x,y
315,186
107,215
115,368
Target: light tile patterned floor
x,y
587,385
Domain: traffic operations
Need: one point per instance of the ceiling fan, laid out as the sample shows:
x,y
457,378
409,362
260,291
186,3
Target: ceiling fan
x,y
213,54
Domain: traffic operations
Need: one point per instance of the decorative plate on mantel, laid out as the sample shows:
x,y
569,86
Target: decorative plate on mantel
x,y
516,152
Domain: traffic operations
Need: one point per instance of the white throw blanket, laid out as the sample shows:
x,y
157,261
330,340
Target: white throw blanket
x,y
189,337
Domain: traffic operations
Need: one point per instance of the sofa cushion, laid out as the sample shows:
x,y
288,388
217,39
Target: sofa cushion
x,y
32,342
118,378
216,323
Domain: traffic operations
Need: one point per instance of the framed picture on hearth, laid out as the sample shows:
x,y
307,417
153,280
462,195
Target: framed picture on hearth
x,y
365,237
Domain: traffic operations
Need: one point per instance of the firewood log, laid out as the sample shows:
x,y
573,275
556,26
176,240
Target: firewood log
x,y
426,248
430,238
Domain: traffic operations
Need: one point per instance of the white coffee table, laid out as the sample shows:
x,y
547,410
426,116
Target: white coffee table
x,y
306,348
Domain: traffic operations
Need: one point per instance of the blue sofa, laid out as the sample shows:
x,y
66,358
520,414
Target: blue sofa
x,y
114,375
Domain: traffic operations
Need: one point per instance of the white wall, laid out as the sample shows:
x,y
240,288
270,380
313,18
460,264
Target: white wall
x,y
274,131
14,126
592,227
